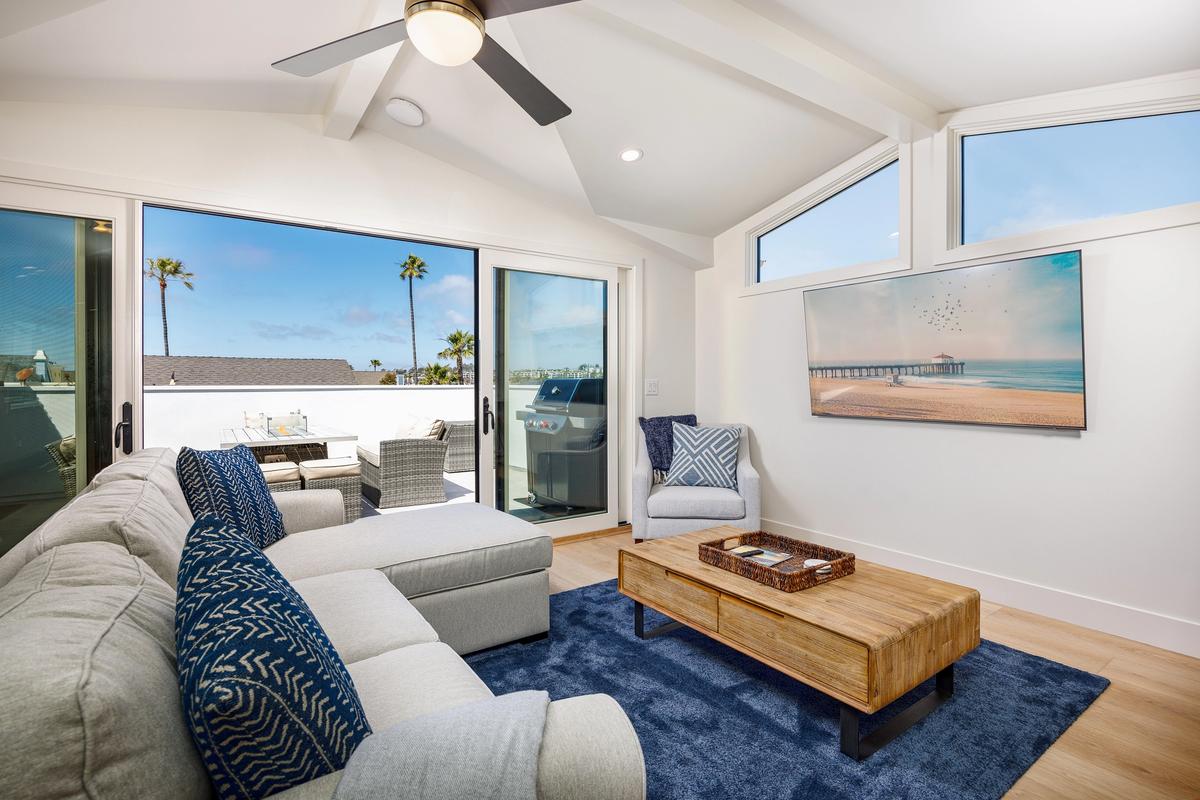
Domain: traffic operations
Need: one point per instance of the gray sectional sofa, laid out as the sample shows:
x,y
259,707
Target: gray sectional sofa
x,y
88,689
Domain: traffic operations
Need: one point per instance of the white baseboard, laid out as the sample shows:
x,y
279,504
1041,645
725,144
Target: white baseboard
x,y
1149,627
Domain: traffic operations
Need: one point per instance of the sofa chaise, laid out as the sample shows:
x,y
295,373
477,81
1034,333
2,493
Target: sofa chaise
x,y
88,689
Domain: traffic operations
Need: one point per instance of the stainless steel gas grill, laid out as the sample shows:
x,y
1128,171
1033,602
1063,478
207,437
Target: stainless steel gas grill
x,y
565,441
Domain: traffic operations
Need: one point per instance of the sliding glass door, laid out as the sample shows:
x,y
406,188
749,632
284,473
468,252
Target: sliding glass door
x,y
56,390
548,391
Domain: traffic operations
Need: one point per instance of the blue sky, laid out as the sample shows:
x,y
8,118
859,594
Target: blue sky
x,y
856,226
270,290
1023,181
1024,309
553,321
37,285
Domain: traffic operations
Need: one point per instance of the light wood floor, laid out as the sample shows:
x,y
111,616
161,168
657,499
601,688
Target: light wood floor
x,y
1140,739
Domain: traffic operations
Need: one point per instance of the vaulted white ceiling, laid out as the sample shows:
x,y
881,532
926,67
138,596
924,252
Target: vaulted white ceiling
x,y
734,103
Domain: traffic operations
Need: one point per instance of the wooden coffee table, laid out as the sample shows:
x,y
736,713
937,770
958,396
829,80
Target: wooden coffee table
x,y
865,640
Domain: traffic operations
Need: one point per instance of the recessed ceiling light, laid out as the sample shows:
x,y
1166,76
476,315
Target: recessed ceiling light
x,y
631,155
406,112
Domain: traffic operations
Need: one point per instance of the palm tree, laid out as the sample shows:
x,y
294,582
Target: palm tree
x,y
163,270
413,269
437,375
462,345
376,364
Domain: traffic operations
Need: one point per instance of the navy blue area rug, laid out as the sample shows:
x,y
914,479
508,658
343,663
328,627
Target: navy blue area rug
x,y
716,724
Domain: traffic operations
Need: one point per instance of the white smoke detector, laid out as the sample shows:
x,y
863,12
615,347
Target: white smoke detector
x,y
406,112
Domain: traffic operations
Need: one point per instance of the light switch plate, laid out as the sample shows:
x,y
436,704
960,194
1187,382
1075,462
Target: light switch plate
x,y
652,387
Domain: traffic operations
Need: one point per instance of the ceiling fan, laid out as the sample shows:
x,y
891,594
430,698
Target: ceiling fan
x,y
450,33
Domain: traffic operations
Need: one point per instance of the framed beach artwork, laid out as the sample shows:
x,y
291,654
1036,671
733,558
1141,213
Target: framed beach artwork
x,y
995,344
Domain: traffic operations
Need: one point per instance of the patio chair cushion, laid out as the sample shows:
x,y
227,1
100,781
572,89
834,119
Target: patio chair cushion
x,y
132,514
363,614
259,731
229,485
423,551
88,688
694,502
154,464
413,681
280,471
411,426
330,468
369,454
704,457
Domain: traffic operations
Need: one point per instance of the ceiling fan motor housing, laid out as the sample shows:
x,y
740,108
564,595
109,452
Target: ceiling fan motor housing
x,y
464,8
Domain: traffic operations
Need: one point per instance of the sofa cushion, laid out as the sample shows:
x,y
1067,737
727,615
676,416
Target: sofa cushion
x,y
363,613
694,502
88,691
229,485
704,457
154,464
129,513
410,426
423,551
415,680
268,701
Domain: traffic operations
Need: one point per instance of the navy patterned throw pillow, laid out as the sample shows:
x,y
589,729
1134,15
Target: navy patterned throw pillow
x,y
660,440
704,457
229,485
269,702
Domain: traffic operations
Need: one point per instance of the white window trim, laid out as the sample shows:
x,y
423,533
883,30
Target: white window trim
x,y
819,190
1161,95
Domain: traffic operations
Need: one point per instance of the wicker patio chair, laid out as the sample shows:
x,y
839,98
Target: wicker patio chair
x,y
405,472
460,450
66,469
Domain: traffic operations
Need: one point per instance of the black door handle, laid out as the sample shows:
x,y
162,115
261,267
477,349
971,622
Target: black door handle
x,y
123,435
487,416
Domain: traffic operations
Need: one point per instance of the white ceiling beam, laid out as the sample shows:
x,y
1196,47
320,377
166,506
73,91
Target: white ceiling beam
x,y
359,81
17,16
749,43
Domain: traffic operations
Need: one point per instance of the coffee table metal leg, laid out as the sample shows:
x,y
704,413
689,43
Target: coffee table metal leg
x,y
639,624
858,749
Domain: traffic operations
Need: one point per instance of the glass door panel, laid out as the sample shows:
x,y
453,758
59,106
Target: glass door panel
x,y
552,394
55,363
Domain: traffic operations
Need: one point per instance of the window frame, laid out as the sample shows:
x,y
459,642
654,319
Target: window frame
x,y
1152,97
817,191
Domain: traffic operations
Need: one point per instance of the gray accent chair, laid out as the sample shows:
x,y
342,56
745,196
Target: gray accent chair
x,y
660,511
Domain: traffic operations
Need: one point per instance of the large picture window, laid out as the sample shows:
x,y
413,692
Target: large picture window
x,y
858,225
1021,181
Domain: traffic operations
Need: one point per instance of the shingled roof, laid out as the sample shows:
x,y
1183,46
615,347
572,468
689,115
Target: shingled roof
x,y
227,371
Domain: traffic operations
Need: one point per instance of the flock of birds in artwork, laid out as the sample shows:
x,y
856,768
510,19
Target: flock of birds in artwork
x,y
946,314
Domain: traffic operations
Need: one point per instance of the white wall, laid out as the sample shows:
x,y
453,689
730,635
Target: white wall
x,y
1101,528
195,416
281,165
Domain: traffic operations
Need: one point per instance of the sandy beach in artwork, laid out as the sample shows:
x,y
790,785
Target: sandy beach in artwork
x,y
867,398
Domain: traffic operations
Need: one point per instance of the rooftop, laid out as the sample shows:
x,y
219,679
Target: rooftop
x,y
230,371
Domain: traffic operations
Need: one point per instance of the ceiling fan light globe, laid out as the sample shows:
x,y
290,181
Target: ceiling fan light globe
x,y
446,33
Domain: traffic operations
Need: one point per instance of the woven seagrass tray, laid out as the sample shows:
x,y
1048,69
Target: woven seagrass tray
x,y
787,576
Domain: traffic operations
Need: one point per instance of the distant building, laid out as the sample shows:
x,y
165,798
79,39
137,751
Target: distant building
x,y
230,371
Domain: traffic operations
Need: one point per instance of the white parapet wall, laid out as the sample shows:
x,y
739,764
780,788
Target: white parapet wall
x,y
195,415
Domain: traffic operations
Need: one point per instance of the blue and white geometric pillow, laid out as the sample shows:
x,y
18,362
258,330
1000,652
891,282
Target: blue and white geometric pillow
x,y
229,485
704,457
268,700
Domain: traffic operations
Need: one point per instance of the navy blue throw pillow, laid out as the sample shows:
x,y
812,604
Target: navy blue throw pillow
x,y
229,485
660,438
267,699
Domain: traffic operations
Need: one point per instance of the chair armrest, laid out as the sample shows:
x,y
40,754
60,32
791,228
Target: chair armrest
x,y
401,451
310,509
590,751
643,482
749,487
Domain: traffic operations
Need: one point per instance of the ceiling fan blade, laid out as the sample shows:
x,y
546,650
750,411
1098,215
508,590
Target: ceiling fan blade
x,y
520,84
502,8
348,48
